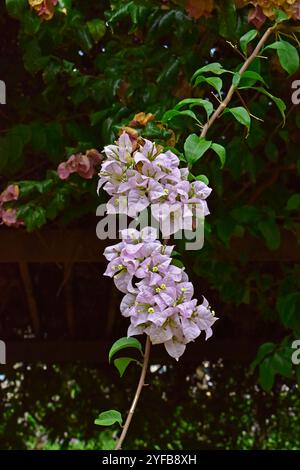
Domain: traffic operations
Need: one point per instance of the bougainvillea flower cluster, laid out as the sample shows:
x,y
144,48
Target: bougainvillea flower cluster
x,y
264,9
44,8
83,164
158,295
199,8
137,174
8,215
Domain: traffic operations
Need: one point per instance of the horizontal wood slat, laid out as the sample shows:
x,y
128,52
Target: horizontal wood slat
x,y
69,246
97,351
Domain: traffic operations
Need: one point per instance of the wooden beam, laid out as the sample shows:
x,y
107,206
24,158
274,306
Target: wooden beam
x,y
69,246
97,351
50,246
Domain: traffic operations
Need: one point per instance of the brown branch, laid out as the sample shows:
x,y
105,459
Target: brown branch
x,y
136,396
231,91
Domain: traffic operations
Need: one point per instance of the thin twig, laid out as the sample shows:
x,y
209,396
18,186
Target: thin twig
x,y
136,396
231,91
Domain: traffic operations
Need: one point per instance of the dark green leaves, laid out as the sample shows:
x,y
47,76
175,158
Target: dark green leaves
x,y
194,148
270,231
33,216
247,38
273,359
266,375
282,363
108,418
288,308
96,28
287,54
293,202
227,19
15,8
264,350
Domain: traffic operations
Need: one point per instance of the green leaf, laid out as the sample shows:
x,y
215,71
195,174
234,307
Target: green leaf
x,y
169,73
214,67
64,4
282,364
152,131
248,75
270,231
271,151
96,28
288,57
246,38
31,22
286,306
207,105
33,59
16,8
178,263
241,115
227,19
202,178
246,214
107,418
33,216
287,54
56,205
293,202
122,363
220,151
225,228
236,79
215,82
278,101
266,375
11,151
195,147
280,15
264,350
98,116
174,113
119,13
124,343
298,375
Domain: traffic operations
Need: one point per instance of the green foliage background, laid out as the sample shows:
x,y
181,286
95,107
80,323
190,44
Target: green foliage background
x,y
73,82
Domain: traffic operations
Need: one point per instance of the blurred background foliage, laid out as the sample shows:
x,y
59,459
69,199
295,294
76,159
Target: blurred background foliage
x,y
211,406
78,72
